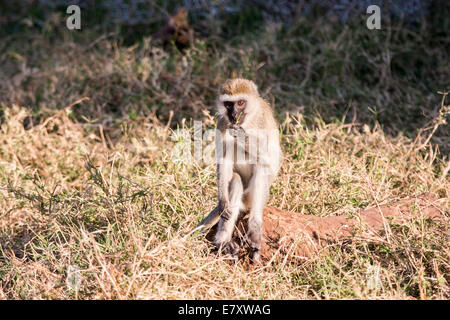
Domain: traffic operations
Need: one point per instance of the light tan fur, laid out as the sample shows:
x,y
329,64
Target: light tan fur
x,y
243,184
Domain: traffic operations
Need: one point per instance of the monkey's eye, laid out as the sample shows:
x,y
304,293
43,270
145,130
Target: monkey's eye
x,y
241,103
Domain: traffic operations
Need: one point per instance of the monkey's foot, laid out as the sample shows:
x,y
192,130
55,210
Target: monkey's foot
x,y
255,255
230,247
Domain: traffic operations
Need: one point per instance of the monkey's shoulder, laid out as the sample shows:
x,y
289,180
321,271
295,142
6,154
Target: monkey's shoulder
x,y
222,123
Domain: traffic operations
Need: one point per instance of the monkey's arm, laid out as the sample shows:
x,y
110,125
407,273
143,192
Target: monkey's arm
x,y
225,155
224,175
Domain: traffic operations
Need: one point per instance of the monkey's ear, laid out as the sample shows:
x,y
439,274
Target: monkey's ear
x,y
255,87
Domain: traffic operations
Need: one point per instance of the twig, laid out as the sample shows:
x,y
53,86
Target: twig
x,y
439,120
60,112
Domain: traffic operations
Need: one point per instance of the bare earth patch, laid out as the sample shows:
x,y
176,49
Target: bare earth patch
x,y
305,235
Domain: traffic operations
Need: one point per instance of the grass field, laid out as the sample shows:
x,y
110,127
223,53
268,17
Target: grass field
x,y
93,207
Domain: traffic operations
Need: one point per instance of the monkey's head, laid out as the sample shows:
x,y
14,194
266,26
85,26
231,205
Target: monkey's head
x,y
238,98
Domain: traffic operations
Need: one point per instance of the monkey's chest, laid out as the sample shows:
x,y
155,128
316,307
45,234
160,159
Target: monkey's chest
x,y
245,171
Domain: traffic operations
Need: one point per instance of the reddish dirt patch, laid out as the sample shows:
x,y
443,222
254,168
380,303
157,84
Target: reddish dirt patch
x,y
291,232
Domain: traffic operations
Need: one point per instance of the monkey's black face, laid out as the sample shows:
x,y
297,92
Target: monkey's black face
x,y
235,110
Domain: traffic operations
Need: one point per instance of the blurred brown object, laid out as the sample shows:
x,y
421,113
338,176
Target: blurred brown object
x,y
177,29
304,235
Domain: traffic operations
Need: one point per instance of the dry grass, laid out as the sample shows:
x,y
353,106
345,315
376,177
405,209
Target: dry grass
x,y
120,213
89,191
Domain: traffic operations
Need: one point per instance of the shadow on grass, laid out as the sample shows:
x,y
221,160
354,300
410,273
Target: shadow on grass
x,y
310,64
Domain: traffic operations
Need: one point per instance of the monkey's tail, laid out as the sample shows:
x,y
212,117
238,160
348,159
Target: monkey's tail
x,y
211,219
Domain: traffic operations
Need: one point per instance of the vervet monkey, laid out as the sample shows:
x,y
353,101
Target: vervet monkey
x,y
248,159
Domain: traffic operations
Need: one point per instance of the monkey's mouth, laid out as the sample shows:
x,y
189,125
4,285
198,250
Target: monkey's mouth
x,y
236,118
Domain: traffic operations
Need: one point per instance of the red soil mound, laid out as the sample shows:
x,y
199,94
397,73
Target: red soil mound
x,y
285,232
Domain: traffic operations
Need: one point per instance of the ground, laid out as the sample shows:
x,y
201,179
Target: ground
x,y
93,205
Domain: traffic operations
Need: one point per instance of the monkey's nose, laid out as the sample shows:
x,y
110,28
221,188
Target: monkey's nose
x,y
229,105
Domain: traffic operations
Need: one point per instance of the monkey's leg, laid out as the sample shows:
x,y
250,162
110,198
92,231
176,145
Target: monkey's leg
x,y
258,194
229,216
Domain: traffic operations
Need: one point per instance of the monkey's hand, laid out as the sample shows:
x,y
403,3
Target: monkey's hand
x,y
236,130
226,213
231,247
223,203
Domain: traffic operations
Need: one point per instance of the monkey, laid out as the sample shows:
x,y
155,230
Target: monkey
x,y
248,158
